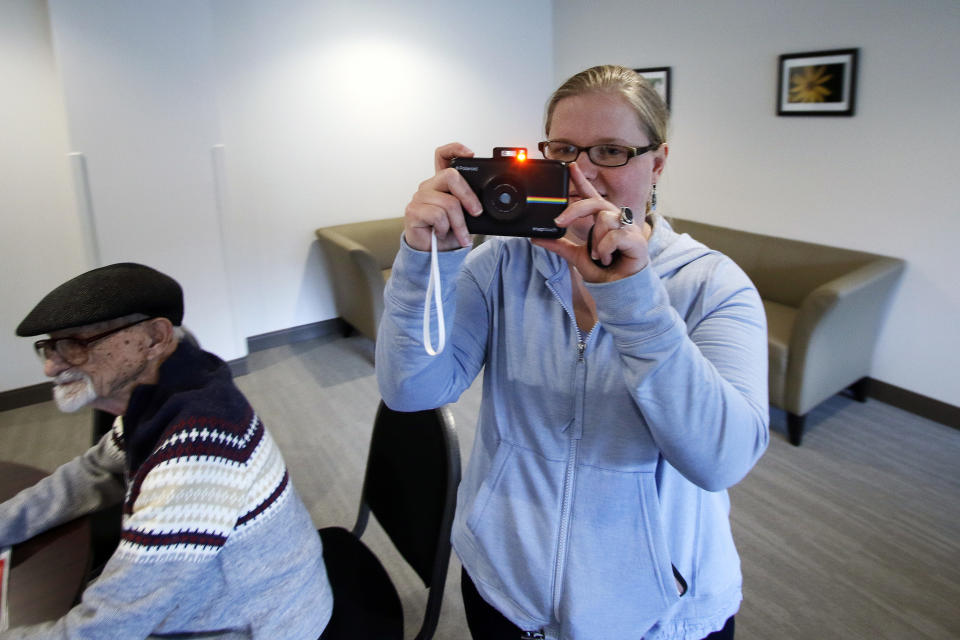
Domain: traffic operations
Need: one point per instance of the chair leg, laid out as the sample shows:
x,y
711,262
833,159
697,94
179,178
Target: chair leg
x,y
860,389
795,428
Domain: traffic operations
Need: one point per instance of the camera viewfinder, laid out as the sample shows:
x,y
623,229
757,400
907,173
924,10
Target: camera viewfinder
x,y
517,153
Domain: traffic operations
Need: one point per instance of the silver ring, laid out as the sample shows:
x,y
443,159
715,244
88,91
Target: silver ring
x,y
626,216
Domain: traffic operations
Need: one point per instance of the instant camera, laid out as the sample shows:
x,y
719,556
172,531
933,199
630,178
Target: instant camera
x,y
520,196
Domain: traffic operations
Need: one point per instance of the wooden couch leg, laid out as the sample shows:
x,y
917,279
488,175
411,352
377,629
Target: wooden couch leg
x,y
860,389
795,428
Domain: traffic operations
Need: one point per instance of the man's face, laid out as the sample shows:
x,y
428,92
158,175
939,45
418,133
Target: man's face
x,y
112,368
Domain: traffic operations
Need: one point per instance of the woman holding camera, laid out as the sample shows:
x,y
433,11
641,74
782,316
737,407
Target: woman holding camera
x,y
624,387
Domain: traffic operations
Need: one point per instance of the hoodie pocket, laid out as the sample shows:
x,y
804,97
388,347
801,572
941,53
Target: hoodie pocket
x,y
618,573
514,520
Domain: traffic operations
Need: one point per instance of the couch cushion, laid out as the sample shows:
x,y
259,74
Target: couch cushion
x,y
780,319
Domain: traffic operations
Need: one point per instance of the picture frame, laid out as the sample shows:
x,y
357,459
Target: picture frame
x,y
659,77
817,83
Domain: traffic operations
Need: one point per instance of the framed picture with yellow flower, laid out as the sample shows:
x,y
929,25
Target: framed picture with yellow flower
x,y
817,83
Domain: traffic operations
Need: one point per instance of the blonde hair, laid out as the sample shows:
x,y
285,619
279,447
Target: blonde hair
x,y
652,113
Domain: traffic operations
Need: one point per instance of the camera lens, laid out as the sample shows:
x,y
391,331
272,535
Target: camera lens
x,y
503,198
506,197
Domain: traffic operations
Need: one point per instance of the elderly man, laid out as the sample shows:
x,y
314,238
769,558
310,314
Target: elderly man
x,y
215,541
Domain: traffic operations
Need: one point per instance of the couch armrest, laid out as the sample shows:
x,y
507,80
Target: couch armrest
x,y
835,333
357,281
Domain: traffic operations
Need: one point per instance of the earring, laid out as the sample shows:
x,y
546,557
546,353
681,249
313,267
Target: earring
x,y
653,199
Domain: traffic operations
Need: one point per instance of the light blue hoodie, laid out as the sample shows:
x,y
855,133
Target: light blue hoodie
x,y
601,461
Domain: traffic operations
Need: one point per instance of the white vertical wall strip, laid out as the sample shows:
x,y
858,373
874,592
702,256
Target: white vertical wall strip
x,y
88,222
218,159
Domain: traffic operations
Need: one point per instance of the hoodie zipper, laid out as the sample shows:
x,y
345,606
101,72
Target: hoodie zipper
x,y
569,476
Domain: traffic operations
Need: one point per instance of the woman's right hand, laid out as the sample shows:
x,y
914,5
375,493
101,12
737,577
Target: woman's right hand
x,y
439,204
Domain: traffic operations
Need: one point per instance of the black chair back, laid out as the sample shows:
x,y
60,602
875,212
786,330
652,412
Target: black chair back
x,y
413,470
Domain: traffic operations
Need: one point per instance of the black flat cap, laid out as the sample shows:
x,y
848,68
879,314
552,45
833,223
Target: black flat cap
x,y
106,293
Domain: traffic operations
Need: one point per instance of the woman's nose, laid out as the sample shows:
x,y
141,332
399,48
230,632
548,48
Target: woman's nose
x,y
586,166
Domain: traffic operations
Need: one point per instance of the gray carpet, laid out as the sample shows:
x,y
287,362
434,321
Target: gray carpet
x,y
856,534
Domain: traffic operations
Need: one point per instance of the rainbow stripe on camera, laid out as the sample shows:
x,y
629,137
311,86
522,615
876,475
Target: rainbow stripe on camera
x,y
545,200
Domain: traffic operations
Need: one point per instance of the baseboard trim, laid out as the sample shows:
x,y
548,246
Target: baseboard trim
x,y
25,396
915,403
294,334
240,366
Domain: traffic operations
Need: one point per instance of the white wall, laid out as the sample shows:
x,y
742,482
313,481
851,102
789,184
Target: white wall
x,y
327,112
40,238
331,113
883,181
141,107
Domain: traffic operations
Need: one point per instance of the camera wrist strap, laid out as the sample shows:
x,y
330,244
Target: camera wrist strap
x,y
433,285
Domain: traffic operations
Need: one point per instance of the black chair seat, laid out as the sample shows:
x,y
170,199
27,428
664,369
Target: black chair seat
x,y
366,604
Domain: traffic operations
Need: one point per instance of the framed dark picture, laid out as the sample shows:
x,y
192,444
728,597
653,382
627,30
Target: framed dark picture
x,y
659,77
818,83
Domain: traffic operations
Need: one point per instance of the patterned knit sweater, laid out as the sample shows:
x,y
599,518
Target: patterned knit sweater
x,y
215,542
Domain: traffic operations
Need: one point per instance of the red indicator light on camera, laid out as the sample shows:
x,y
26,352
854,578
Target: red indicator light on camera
x,y
521,155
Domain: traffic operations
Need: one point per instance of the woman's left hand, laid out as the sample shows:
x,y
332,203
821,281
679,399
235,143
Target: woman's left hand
x,y
609,236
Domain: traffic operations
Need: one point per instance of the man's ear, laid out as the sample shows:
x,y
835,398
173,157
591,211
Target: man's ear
x,y
161,335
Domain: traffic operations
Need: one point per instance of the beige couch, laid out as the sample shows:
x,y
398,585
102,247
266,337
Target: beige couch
x,y
825,307
359,257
